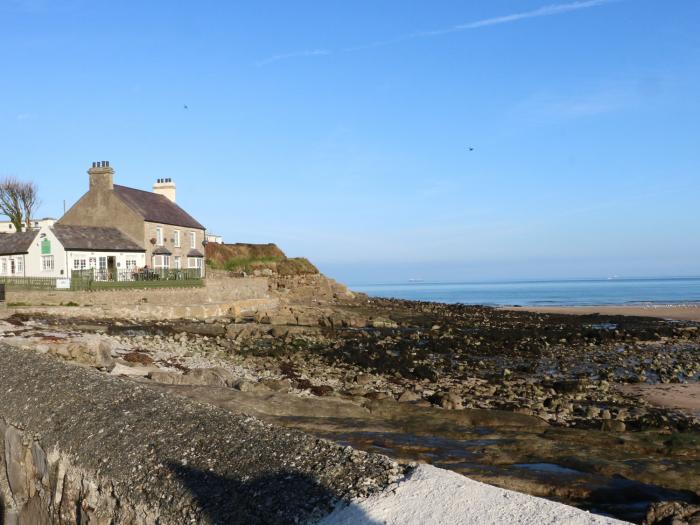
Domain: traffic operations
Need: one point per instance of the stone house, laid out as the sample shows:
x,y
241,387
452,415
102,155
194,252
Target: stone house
x,y
54,251
169,236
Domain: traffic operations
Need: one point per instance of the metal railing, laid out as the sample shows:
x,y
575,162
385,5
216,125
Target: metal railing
x,y
29,283
94,279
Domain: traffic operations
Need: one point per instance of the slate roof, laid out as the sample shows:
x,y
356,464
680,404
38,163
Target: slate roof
x,y
195,253
94,238
16,243
156,208
162,251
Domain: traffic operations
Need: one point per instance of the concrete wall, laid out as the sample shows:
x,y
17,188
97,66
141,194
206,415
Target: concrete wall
x,y
80,446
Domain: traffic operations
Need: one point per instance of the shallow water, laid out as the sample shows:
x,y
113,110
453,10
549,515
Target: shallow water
x,y
544,293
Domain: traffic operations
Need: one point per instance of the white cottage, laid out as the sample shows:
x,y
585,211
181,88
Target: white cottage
x,y
55,251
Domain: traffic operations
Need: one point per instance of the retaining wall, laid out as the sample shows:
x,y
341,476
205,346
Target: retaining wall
x,y
83,447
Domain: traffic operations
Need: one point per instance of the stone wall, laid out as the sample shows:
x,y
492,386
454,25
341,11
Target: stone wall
x,y
214,291
78,446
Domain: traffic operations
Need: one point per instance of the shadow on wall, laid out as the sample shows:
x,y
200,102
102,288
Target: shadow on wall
x,y
280,498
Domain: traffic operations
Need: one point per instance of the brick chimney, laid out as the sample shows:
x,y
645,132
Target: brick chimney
x,y
101,176
165,187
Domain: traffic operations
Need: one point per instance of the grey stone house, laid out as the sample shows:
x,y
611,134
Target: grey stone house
x,y
170,236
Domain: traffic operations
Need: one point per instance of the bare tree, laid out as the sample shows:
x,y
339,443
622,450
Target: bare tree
x,y
29,199
10,201
18,200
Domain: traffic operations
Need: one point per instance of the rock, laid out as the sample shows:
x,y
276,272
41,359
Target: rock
x,y
216,376
104,358
672,513
122,369
321,390
376,396
613,425
447,400
138,358
408,396
277,385
363,379
250,386
165,377
381,322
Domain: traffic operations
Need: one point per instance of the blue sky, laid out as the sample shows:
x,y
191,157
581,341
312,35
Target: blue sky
x,y
341,130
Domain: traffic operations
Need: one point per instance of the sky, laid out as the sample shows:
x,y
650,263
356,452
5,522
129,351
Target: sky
x,y
383,140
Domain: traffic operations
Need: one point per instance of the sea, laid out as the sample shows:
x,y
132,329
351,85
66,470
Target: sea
x,y
572,292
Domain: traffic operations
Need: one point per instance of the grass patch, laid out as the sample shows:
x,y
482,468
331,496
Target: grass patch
x,y
280,265
18,303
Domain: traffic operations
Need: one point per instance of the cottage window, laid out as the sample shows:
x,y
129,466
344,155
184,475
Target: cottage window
x,y
47,263
166,261
76,264
130,264
20,266
193,240
12,266
159,236
93,262
177,262
4,266
176,238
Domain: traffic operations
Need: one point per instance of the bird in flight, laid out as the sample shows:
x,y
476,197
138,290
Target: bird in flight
x,y
471,148
185,106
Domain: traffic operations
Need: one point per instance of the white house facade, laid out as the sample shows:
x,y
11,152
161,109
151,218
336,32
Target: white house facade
x,y
56,251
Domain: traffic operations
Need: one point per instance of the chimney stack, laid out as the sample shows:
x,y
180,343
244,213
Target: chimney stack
x,y
101,176
165,187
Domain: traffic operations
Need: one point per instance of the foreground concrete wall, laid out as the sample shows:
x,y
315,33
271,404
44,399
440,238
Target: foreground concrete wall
x,y
82,447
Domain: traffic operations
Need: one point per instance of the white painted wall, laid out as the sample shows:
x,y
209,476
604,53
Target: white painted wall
x,y
64,261
91,260
6,265
34,256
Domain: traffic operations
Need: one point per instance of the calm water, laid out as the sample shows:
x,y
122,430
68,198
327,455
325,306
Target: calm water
x,y
544,293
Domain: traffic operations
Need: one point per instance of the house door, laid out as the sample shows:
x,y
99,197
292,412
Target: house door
x,y
112,268
12,266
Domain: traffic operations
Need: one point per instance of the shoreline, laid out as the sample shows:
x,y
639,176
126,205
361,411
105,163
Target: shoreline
x,y
676,312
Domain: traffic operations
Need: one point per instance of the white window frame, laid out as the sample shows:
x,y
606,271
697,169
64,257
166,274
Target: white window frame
x,y
159,236
193,240
4,266
20,266
176,238
47,263
177,262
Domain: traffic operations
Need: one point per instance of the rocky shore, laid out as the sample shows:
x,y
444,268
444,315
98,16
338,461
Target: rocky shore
x,y
415,363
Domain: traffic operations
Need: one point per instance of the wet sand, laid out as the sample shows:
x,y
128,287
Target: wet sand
x,y
684,397
678,312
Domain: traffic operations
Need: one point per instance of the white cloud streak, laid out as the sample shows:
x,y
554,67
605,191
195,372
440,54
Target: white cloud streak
x,y
296,54
547,10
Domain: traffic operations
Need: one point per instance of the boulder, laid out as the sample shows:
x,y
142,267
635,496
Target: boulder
x,y
672,513
104,358
408,396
